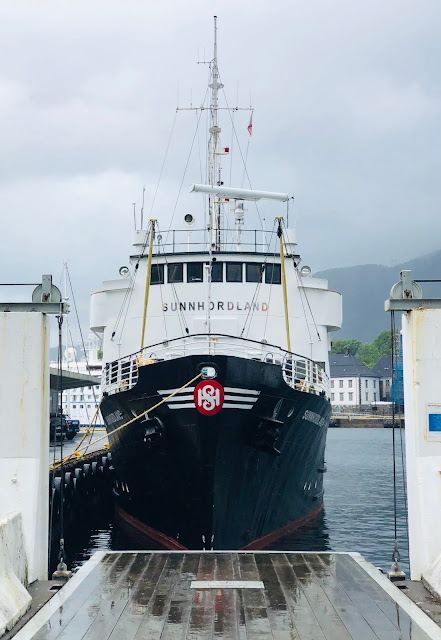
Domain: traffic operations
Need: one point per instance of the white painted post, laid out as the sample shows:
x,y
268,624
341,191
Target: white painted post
x,y
24,430
422,408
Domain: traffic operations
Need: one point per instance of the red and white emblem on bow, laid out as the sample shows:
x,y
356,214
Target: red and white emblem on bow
x,y
209,397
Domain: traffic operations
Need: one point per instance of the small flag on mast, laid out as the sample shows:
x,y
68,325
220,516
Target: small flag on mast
x,y
250,126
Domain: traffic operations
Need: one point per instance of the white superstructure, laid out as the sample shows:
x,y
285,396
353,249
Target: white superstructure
x,y
239,306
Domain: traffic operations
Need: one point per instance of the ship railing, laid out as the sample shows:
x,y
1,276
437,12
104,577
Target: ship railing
x,y
306,375
120,375
298,372
197,241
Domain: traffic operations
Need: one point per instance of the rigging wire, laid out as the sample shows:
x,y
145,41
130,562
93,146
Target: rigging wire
x,y
302,291
393,426
95,401
203,200
395,398
80,329
130,289
78,371
181,316
272,278
163,311
83,344
128,295
244,161
163,164
256,293
299,285
59,399
186,166
61,556
231,149
199,150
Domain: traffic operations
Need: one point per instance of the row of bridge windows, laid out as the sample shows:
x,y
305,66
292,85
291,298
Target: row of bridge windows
x,y
220,272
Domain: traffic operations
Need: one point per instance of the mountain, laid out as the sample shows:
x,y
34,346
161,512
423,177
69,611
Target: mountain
x,y
365,288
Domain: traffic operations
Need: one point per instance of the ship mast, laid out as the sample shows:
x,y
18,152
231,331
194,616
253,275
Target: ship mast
x,y
214,170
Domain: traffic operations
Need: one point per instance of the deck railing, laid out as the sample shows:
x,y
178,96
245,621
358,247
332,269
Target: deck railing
x,y
197,240
298,372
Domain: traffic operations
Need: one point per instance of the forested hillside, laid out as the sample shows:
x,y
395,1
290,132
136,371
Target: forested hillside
x,y
366,287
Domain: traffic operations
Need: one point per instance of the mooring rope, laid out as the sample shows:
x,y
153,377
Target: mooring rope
x,y
76,455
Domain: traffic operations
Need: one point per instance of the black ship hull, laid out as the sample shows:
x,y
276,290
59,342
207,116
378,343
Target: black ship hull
x,y
232,480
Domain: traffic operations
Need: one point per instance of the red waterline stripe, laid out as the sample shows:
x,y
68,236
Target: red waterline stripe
x,y
260,543
153,534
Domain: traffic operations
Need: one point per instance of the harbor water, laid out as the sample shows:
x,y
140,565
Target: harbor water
x,y
358,514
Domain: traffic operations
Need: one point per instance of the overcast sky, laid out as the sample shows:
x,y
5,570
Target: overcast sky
x,y
347,118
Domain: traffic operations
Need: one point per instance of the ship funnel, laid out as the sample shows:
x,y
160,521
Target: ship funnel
x,y
290,241
140,238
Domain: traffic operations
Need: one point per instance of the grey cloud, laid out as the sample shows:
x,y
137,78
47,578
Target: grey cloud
x,y
347,99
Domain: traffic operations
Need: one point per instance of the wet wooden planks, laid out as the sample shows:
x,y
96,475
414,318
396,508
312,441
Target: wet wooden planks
x,y
307,596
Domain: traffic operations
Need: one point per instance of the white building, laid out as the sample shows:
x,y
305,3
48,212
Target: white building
x,y
352,383
81,403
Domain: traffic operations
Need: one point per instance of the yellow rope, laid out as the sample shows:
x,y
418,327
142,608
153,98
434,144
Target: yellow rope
x,y
75,454
147,281
285,295
89,427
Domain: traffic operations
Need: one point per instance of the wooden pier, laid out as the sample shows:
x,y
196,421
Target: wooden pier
x,y
172,595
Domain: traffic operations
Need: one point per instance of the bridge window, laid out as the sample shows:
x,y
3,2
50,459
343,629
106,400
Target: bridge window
x,y
175,272
217,272
157,274
272,274
234,272
195,272
253,272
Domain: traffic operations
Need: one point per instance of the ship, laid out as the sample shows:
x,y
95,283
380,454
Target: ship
x,y
215,384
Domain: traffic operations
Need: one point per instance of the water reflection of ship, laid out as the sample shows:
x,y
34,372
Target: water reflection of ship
x,y
313,536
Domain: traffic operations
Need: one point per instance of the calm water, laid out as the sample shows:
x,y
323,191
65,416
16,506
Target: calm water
x,y
358,514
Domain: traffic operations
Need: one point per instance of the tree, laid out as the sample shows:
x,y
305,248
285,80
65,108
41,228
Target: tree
x,y
368,354
382,343
340,346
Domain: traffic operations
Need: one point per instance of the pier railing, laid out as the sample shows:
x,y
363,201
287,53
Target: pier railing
x,y
298,372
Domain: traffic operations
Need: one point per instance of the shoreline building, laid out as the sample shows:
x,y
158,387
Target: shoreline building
x,y
383,369
352,383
